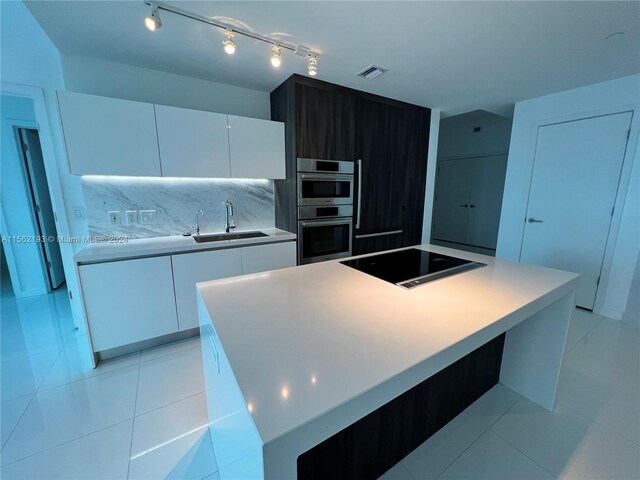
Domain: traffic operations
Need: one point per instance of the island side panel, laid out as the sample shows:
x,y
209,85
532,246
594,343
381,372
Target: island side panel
x,y
534,350
236,443
376,442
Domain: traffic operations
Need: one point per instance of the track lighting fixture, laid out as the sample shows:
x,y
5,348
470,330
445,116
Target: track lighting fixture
x,y
313,65
153,22
275,56
229,44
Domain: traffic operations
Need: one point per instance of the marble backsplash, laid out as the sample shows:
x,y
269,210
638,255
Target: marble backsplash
x,y
176,201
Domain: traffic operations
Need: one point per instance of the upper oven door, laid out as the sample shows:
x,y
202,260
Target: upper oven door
x,y
324,189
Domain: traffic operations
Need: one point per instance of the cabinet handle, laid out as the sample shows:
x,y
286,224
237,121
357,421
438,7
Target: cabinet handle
x,y
534,220
463,206
380,234
359,163
472,206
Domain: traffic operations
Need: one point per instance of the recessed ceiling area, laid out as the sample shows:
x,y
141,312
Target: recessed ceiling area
x,y
457,56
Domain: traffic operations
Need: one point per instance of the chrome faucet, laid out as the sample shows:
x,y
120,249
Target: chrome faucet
x,y
229,222
197,227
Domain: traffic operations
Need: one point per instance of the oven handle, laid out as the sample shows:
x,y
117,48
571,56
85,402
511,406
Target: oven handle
x,y
359,162
380,234
315,223
326,177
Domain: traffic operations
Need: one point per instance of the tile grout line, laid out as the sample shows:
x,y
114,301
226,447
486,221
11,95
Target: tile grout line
x,y
168,404
84,378
461,453
133,423
65,443
586,334
478,438
596,422
19,419
512,445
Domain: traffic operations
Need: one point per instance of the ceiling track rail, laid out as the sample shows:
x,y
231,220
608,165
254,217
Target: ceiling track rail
x,y
230,28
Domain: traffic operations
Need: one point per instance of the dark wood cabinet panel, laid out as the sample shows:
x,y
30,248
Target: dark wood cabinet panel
x,y
375,443
325,123
331,122
392,143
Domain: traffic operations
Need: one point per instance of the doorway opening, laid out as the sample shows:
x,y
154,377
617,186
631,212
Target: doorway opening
x,y
38,191
29,233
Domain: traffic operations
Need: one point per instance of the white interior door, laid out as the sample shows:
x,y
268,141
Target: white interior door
x,y
451,211
573,191
485,200
37,179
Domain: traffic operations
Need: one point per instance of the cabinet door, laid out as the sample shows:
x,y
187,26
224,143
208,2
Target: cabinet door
x,y
256,148
263,258
324,123
128,301
192,143
485,200
109,136
191,268
451,209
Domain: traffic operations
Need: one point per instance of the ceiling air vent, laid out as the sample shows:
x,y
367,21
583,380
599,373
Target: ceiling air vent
x,y
372,71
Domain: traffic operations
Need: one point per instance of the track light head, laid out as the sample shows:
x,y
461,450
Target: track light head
x,y
153,22
313,65
276,59
229,44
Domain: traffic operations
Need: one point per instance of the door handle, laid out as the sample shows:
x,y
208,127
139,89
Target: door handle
x,y
534,220
359,163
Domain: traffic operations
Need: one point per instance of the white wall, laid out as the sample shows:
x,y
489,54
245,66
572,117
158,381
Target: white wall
x,y
622,94
28,57
458,139
110,79
25,258
432,155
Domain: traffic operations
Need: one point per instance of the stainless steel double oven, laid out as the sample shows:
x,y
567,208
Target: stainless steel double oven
x,y
325,209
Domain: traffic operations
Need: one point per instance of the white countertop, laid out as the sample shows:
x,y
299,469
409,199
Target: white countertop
x,y
105,252
302,341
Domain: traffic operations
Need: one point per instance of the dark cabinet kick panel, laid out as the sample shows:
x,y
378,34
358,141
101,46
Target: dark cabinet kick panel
x,y
375,443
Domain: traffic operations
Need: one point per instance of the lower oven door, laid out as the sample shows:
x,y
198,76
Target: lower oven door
x,y
320,240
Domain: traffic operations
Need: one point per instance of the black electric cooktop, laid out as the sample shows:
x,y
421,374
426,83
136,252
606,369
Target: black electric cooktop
x,y
412,267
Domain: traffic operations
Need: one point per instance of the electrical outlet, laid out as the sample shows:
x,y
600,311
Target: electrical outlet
x,y
132,217
114,218
147,216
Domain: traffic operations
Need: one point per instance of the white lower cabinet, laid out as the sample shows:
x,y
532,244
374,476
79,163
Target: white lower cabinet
x,y
128,301
262,258
191,268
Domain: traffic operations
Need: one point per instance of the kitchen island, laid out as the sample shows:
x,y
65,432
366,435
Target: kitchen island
x,y
321,367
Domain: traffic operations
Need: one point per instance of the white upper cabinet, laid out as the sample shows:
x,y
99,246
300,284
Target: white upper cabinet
x,y
192,143
109,136
256,148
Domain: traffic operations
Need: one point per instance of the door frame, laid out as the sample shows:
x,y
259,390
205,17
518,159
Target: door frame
x,y
16,125
621,193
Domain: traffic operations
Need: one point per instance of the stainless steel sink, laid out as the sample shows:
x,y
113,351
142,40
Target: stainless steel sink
x,y
218,237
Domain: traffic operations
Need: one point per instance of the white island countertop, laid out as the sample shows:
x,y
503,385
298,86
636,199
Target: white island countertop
x,y
320,338
146,247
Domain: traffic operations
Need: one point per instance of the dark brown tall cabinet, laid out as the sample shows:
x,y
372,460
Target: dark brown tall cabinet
x,y
390,138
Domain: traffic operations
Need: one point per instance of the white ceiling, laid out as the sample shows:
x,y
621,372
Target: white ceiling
x,y
458,56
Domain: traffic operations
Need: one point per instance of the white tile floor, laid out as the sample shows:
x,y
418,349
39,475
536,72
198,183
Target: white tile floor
x,y
143,416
